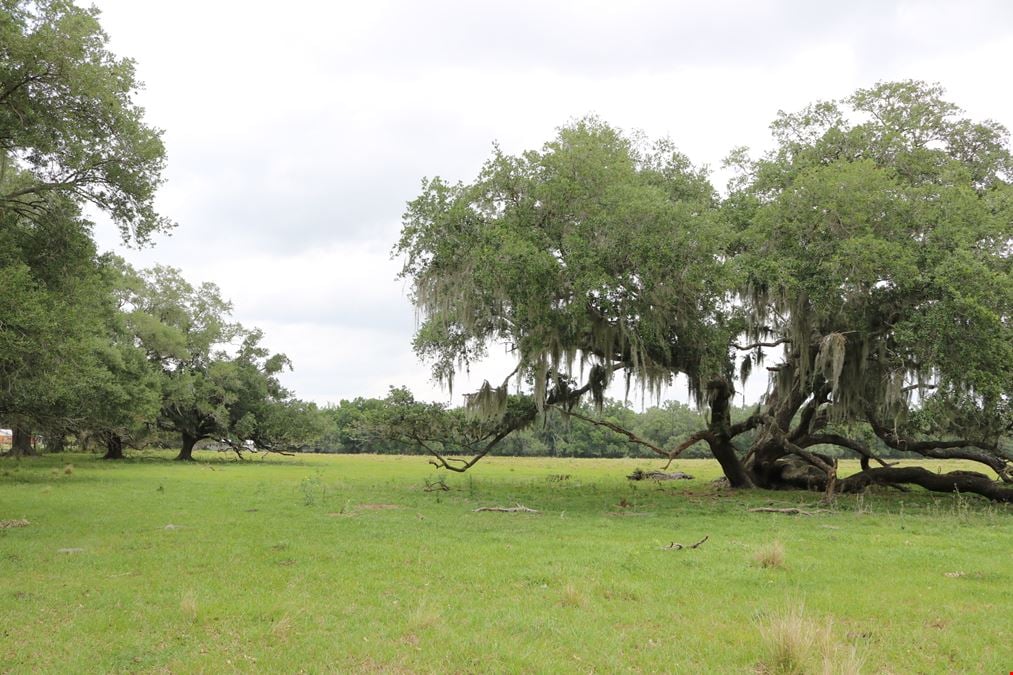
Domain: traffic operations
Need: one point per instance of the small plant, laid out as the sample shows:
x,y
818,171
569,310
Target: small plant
x,y
312,489
771,555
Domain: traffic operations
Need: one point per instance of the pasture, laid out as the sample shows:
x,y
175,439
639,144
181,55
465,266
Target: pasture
x,y
353,564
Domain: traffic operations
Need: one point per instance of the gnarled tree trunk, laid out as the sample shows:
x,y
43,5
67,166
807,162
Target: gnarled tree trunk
x,y
719,395
22,445
114,446
186,452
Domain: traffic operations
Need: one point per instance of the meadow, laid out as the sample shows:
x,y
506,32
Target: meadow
x,y
365,564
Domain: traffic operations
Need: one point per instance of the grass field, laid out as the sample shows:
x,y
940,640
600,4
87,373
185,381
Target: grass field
x,y
347,564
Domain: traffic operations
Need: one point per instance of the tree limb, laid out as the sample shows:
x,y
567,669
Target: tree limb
x,y
754,345
954,481
633,438
844,442
956,449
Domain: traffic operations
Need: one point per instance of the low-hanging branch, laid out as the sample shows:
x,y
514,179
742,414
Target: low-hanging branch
x,y
755,345
954,481
440,461
633,438
975,451
844,442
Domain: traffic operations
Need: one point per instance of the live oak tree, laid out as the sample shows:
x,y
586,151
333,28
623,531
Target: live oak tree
x,y
864,262
217,381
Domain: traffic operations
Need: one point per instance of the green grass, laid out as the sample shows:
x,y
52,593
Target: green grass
x,y
345,563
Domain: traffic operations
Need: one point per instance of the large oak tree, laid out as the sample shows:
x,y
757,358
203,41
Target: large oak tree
x,y
865,262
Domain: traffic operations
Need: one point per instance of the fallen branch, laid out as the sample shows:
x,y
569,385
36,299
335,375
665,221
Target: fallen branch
x,y
7,524
639,474
674,546
792,511
434,485
518,508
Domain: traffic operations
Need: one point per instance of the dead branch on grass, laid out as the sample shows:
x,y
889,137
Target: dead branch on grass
x,y
434,485
792,511
518,508
675,546
639,474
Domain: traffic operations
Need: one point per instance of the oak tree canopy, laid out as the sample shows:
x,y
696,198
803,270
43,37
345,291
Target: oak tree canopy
x,y
864,263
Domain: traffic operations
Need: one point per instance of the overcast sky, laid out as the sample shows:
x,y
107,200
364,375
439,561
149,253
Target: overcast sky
x,y
297,131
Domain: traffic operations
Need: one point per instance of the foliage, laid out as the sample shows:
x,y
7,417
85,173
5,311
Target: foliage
x,y
567,255
69,128
876,238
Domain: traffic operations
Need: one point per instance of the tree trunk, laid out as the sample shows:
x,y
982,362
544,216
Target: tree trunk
x,y
114,447
719,394
55,442
186,452
21,445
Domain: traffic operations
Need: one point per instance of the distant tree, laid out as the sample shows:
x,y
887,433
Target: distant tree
x,y
184,330
217,381
872,246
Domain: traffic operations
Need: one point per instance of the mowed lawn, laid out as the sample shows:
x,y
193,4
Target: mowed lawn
x,y
349,564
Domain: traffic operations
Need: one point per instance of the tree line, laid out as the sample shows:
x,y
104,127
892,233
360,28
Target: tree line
x,y
92,350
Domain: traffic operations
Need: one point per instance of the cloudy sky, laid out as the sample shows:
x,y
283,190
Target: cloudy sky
x,y
297,131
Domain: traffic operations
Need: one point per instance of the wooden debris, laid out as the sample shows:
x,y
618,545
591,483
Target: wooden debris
x,y
639,474
434,485
518,508
7,524
675,546
792,511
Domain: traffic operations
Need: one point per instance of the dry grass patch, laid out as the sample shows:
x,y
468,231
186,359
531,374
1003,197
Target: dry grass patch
x,y
282,628
771,555
424,616
572,597
188,605
797,645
